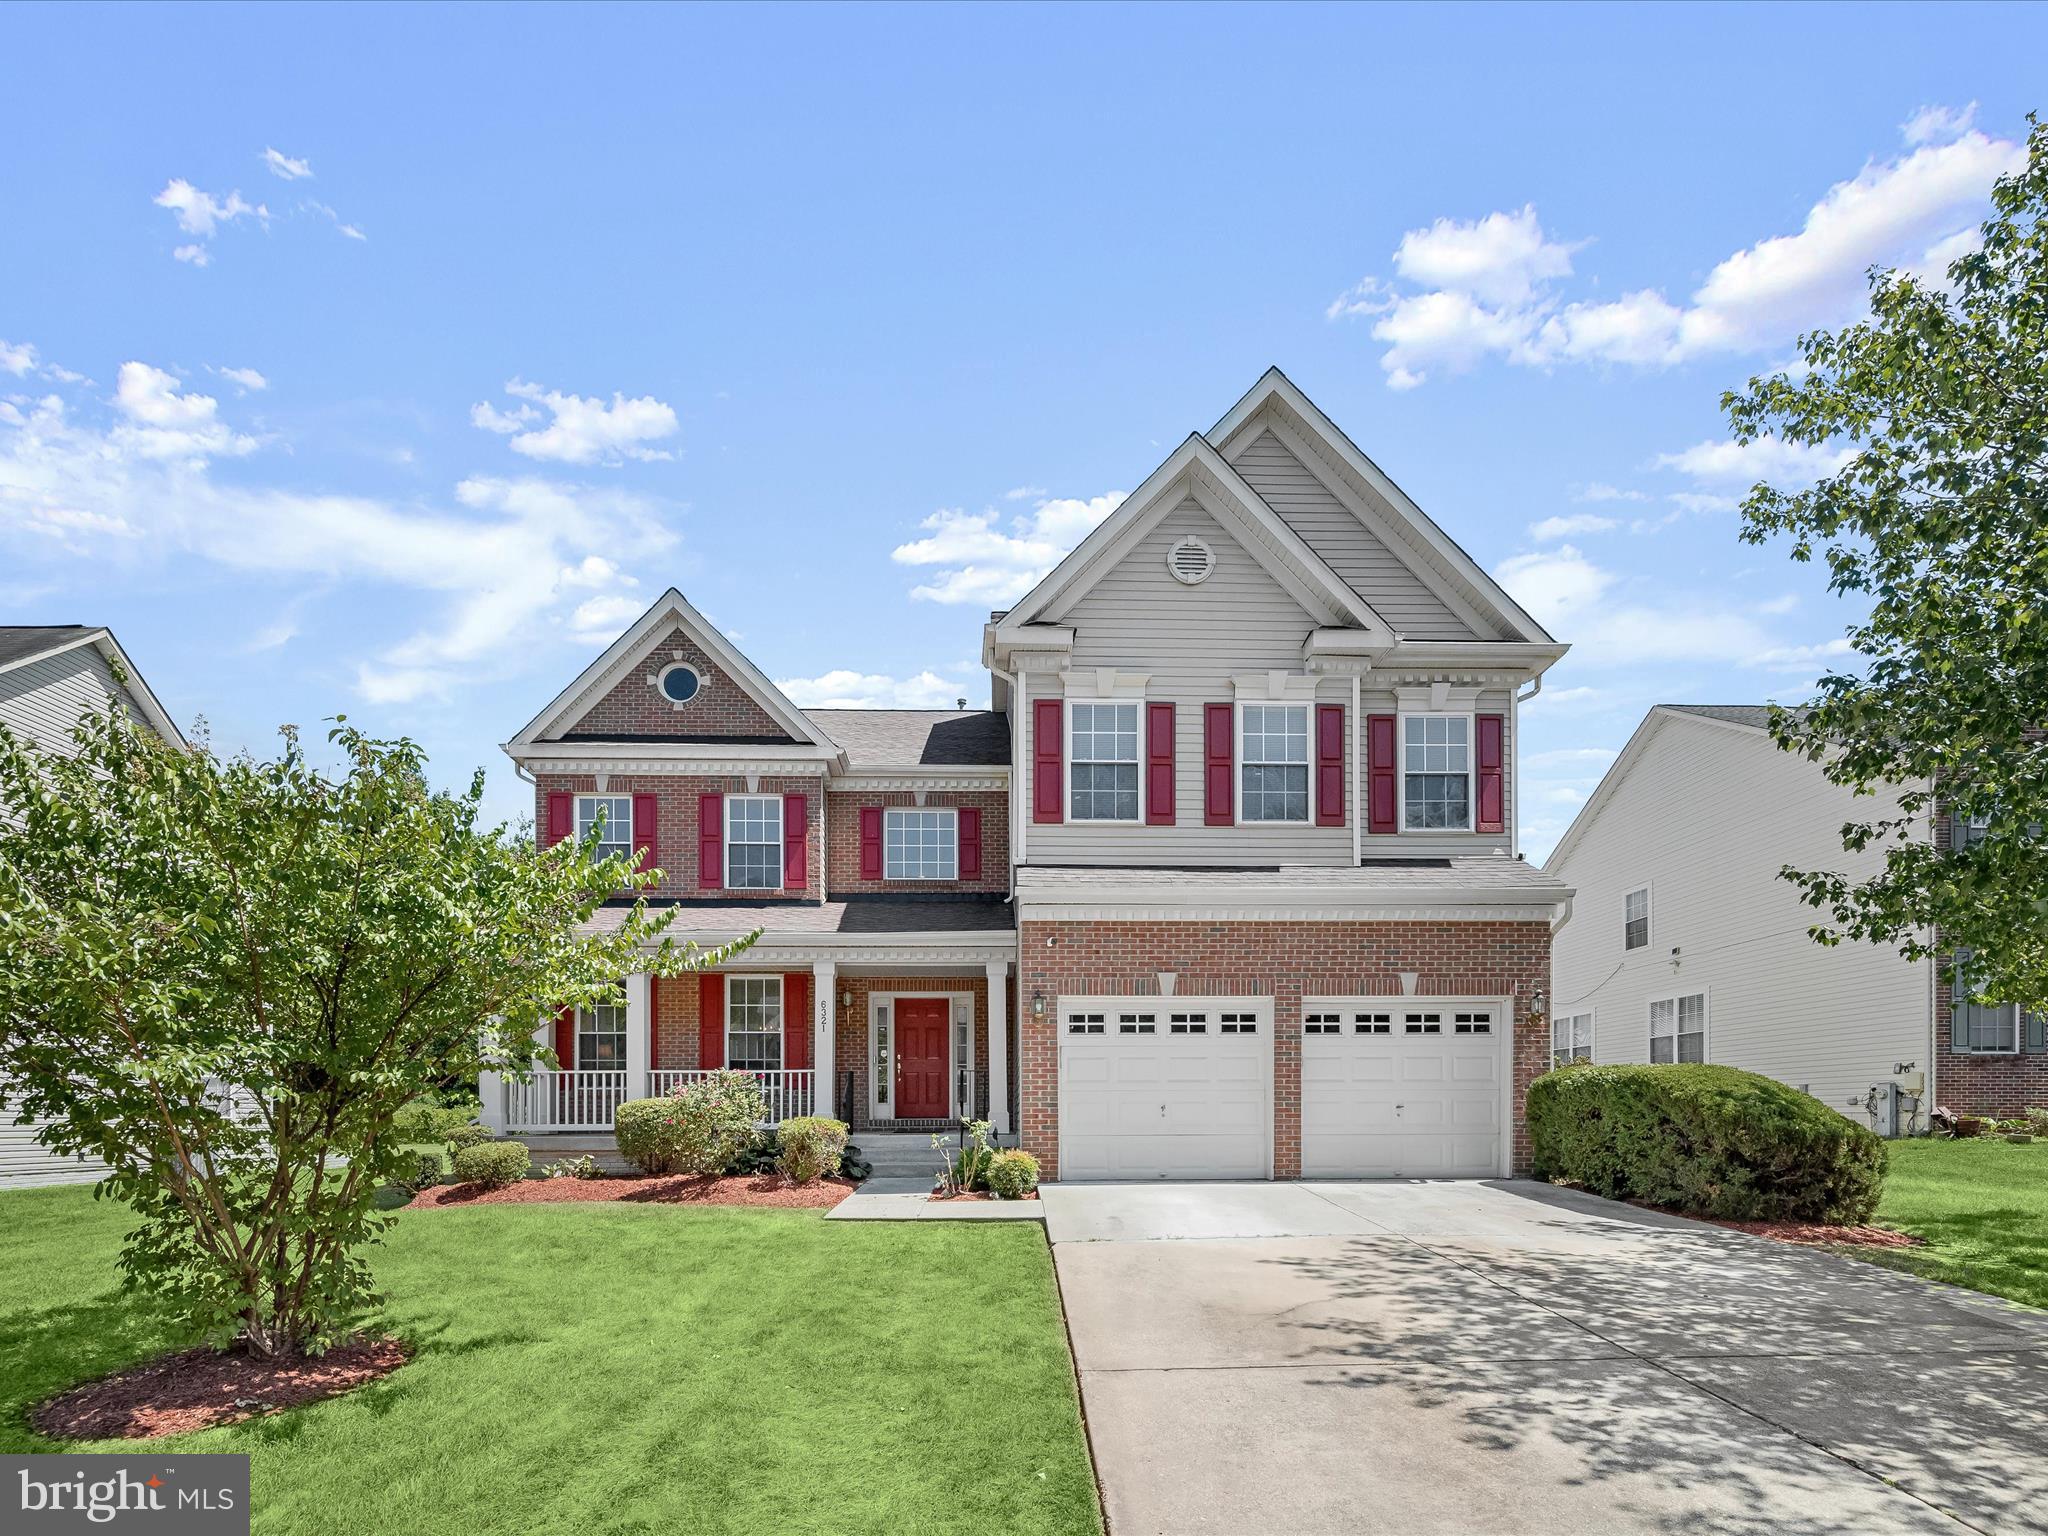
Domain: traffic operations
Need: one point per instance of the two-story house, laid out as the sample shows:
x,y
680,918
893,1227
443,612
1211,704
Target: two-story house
x,y
1224,884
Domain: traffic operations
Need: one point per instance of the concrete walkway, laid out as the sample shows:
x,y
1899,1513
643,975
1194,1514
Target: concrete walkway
x,y
908,1199
1504,1357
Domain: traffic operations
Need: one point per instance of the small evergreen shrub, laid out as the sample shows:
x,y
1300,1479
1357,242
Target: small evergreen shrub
x,y
493,1164
701,1128
425,1122
1704,1140
1012,1174
761,1155
467,1134
810,1147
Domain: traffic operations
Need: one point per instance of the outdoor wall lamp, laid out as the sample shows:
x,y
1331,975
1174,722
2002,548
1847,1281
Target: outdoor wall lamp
x,y
1037,1004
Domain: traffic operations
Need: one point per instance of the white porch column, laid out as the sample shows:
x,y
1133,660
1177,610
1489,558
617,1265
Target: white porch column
x,y
638,1013
490,1088
824,1034
999,1045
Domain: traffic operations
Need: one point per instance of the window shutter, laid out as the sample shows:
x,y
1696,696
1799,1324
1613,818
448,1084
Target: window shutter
x,y
1492,781
1048,791
1218,725
710,842
796,842
653,1028
1158,765
565,1039
796,1020
871,842
1379,734
561,817
710,1021
970,842
1329,765
646,830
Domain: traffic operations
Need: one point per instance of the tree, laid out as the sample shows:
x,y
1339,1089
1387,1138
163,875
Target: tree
x,y
224,978
1939,518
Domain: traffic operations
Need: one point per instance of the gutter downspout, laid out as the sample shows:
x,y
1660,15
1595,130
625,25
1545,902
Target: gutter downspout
x,y
1016,772
1357,783
1515,841
824,838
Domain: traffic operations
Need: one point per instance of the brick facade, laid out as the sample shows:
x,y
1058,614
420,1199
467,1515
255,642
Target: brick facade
x,y
1284,961
635,709
855,1050
676,837
842,853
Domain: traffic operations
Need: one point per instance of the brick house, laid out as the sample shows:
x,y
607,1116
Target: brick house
x,y
1223,885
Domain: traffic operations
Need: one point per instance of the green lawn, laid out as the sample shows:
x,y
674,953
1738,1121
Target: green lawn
x,y
1982,1205
629,1368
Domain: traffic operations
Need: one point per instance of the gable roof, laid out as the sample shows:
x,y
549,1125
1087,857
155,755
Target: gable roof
x,y
21,644
629,650
1755,715
896,738
1418,533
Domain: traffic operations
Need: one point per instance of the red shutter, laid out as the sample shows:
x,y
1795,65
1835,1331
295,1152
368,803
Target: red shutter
x,y
1491,784
710,841
1329,765
1219,721
1158,765
796,1020
710,1020
871,842
565,1039
970,842
1048,790
1379,734
796,842
653,1028
561,817
646,825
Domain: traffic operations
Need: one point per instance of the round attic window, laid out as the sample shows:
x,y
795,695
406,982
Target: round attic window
x,y
1190,561
678,684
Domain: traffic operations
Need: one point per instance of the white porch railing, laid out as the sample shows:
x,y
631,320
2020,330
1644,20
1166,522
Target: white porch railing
x,y
784,1094
564,1101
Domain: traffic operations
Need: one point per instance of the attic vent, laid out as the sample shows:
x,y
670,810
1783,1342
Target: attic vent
x,y
1190,561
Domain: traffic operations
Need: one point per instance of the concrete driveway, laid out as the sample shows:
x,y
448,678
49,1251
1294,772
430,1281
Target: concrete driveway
x,y
1493,1358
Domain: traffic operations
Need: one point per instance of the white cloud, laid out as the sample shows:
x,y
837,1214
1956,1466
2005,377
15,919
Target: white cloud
x,y
197,255
1785,602
1574,598
248,378
312,205
1702,502
16,358
285,167
166,422
1023,492
1762,458
1938,125
604,619
1500,259
1601,491
845,689
983,558
1801,657
581,431
202,214
1552,528
1555,584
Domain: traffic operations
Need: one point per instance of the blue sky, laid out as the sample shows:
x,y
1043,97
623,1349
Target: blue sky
x,y
388,361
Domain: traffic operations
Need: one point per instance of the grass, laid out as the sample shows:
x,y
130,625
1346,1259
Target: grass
x,y
1982,1206
616,1368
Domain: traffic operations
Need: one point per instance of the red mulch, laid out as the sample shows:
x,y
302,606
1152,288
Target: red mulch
x,y
1814,1233
670,1189
978,1194
199,1388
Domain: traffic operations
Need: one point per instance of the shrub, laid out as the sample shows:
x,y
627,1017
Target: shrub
x,y
467,1134
1012,1174
584,1167
810,1146
1704,1140
493,1163
700,1128
760,1155
424,1122
970,1168
2037,1122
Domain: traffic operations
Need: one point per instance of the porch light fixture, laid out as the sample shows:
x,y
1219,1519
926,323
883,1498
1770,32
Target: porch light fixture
x,y
1037,1004
846,997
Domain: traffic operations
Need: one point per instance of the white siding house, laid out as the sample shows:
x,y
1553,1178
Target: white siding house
x,y
1684,943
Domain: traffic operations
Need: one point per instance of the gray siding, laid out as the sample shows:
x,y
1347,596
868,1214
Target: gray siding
x,y
43,699
1358,555
25,1162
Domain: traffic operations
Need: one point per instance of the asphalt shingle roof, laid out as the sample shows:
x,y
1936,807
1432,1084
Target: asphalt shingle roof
x,y
994,915
21,641
1392,876
898,738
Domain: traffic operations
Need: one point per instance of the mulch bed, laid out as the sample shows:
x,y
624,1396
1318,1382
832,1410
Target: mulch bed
x,y
978,1194
671,1189
200,1388
1814,1234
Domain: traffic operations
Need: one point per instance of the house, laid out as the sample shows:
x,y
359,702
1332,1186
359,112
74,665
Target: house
x,y
1223,885
50,675
1686,946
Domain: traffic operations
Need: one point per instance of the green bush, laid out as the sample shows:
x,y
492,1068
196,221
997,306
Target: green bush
x,y
1012,1174
810,1147
970,1168
467,1134
761,1155
701,1128
423,1121
1704,1140
493,1163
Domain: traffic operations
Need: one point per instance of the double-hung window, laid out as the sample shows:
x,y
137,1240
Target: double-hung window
x,y
1989,1029
601,1039
1105,762
1273,758
1436,773
616,812
1678,1028
753,1023
920,844
753,842
1571,1039
1635,919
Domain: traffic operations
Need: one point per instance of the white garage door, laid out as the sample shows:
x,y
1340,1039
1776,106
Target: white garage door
x,y
1401,1089
1165,1088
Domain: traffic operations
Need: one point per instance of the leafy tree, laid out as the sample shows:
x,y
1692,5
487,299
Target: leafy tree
x,y
1939,518
226,977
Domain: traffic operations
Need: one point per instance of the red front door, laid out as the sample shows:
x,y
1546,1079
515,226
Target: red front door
x,y
922,1024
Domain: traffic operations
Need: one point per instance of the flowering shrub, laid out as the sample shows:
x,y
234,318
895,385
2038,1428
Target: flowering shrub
x,y
700,1128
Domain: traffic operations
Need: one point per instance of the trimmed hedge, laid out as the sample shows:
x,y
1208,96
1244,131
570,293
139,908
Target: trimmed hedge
x,y
423,1121
1705,1141
702,1128
810,1147
1012,1174
493,1163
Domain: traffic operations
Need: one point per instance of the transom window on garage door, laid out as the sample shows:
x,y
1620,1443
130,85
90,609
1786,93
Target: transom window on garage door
x,y
1678,1028
1422,1023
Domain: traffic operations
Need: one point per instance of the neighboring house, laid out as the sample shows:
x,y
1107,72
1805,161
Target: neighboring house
x,y
1685,945
1223,886
51,675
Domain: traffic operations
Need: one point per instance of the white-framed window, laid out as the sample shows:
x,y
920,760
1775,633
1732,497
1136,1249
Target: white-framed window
x,y
1635,919
753,1023
1436,773
1102,757
1571,1038
616,812
1272,755
678,682
1979,1029
753,842
884,1072
1678,1028
601,1039
920,844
